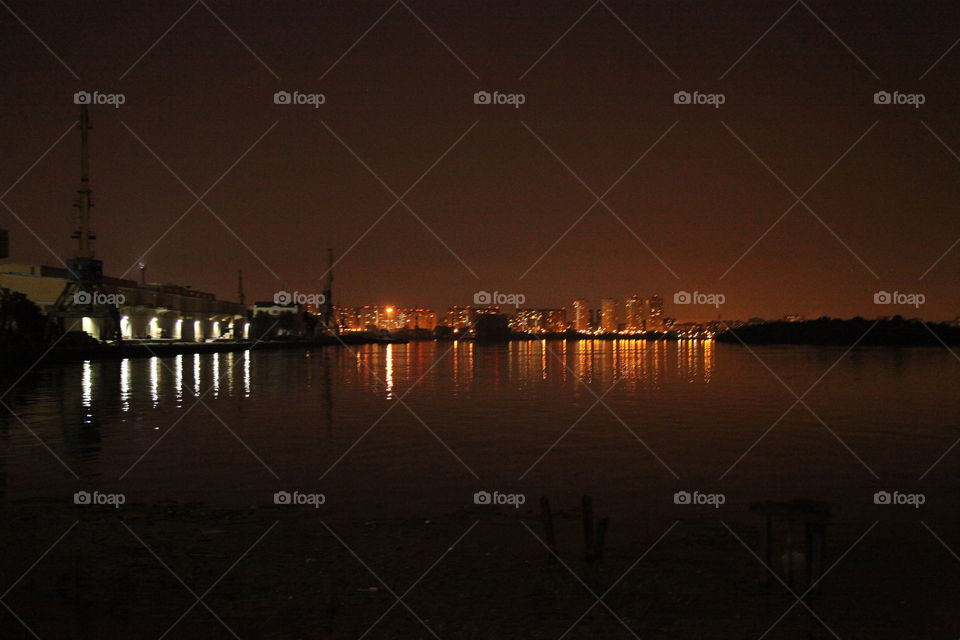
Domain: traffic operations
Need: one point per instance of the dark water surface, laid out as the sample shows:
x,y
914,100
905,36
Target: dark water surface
x,y
418,423
399,438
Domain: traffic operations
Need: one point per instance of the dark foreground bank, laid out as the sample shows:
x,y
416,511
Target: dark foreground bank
x,y
282,572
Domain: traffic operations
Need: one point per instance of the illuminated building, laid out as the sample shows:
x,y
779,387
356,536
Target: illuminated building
x,y
348,318
539,321
460,318
608,315
636,313
555,320
376,318
415,319
581,315
369,317
147,311
655,313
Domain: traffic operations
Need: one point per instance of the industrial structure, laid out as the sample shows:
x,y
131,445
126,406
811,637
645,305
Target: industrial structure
x,y
78,297
83,295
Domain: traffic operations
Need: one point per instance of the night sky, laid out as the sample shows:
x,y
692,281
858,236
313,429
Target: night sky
x,y
499,198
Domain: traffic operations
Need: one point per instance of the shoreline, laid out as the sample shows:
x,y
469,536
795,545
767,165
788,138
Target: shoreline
x,y
895,333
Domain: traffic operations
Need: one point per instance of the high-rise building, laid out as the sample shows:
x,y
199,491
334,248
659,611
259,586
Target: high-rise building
x,y
655,313
636,313
555,320
375,318
348,318
539,320
416,319
465,318
608,315
581,315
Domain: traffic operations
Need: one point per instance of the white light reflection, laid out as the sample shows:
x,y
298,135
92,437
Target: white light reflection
x,y
230,365
87,385
216,375
125,384
196,374
155,380
388,379
246,373
178,375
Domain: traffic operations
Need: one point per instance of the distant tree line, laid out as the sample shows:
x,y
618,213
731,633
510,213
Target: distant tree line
x,y
895,331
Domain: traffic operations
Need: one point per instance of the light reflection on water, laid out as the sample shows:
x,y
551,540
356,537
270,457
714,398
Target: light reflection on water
x,y
154,365
246,374
700,405
87,384
125,384
178,379
216,375
388,382
638,362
